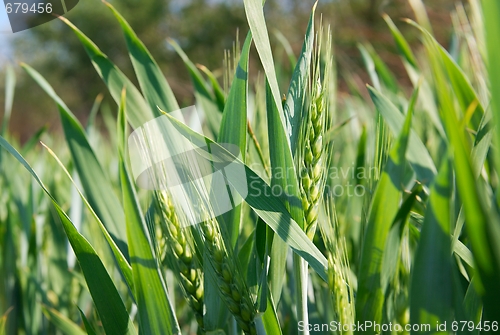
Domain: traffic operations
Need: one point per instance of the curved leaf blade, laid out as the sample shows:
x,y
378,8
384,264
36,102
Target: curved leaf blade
x,y
138,110
383,211
417,154
153,306
233,128
101,195
111,309
431,295
153,83
298,86
269,207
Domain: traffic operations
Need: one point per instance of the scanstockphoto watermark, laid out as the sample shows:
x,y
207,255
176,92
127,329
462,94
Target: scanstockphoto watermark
x,y
207,179
26,14
361,327
375,327
343,181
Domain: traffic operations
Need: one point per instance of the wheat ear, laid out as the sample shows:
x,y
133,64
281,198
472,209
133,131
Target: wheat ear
x,y
186,267
312,160
233,288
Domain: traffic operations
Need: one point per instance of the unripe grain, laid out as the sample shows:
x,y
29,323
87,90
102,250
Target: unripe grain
x,y
311,158
186,268
233,289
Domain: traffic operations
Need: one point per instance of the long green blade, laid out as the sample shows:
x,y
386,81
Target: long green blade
x,y
401,43
150,289
383,210
88,327
111,309
203,96
10,84
137,109
154,86
491,9
257,23
62,322
431,294
482,223
101,195
298,86
123,264
417,154
260,197
233,128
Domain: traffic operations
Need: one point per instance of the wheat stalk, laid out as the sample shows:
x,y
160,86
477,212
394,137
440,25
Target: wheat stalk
x,y
233,288
312,156
338,283
186,268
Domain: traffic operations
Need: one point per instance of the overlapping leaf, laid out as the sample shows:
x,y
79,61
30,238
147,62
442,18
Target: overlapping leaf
x,y
111,309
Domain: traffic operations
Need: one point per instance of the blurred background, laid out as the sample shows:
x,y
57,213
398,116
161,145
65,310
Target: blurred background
x,y
204,29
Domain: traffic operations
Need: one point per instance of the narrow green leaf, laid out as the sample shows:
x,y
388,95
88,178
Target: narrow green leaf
x,y
260,197
482,224
464,253
270,319
93,111
298,87
217,89
257,23
97,186
111,309
88,327
233,128
123,264
203,96
385,74
464,92
150,289
277,268
431,294
392,255
421,14
287,47
491,10
410,63
382,213
138,110
154,86
282,164
62,323
370,67
10,84
417,154
401,43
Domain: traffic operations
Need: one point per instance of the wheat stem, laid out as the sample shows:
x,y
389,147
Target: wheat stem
x,y
258,148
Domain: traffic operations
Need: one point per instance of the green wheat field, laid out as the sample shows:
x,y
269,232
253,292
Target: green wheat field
x,y
374,212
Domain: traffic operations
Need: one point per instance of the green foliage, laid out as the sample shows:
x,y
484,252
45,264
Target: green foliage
x,y
399,241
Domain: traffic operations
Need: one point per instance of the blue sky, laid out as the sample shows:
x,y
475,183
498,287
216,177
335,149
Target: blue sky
x,y
5,33
4,21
